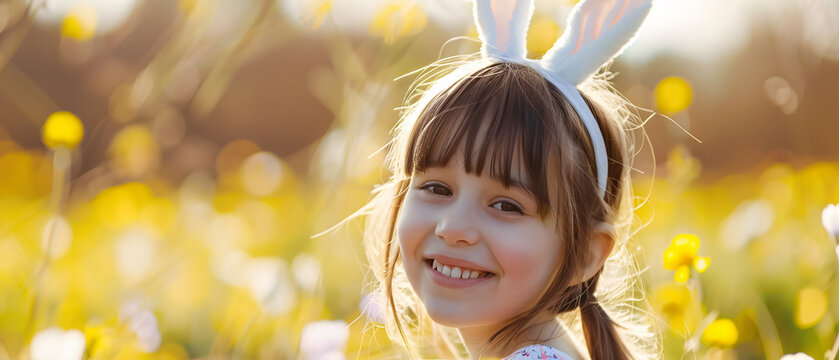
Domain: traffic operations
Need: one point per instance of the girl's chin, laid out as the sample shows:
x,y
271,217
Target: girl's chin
x,y
452,322
455,316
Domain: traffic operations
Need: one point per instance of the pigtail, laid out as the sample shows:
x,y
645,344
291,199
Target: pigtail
x,y
602,338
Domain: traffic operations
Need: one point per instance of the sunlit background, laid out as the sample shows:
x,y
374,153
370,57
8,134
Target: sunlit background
x,y
165,163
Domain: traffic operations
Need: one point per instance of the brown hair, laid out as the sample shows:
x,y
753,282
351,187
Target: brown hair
x,y
522,116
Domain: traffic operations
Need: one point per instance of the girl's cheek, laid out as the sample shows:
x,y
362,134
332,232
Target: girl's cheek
x,y
526,254
409,225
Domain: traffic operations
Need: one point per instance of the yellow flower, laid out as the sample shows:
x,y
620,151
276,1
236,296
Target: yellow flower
x,y
99,339
678,306
682,274
122,205
62,129
810,306
721,333
673,94
672,299
80,23
398,19
682,254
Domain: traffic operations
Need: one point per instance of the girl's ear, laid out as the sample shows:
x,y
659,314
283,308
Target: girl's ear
x,y
601,241
596,32
502,26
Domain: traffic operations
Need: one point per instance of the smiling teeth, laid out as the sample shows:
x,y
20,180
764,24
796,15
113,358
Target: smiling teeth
x,y
456,272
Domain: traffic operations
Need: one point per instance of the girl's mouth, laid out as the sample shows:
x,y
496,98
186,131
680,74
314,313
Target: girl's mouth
x,y
454,276
457,272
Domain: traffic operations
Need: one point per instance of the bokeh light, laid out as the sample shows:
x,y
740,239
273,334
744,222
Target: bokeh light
x,y
541,35
134,151
673,94
261,173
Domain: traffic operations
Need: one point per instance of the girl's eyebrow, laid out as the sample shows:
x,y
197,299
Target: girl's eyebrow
x,y
518,184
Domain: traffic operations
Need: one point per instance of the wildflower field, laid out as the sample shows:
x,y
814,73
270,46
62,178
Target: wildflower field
x,y
165,166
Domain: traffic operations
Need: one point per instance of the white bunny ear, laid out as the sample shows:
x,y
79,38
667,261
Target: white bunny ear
x,y
502,25
597,31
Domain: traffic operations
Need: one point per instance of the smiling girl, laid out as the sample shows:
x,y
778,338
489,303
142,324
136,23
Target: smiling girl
x,y
503,229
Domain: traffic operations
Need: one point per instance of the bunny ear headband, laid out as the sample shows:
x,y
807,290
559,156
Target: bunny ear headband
x,y
596,32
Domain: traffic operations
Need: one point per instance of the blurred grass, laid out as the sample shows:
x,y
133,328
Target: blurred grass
x,y
226,271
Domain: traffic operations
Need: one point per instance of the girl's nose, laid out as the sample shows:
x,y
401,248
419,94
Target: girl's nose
x,y
457,225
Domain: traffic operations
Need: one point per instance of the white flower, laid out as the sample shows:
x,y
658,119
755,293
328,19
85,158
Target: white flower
x,y
306,271
57,344
324,340
143,322
372,305
748,221
268,280
798,356
830,219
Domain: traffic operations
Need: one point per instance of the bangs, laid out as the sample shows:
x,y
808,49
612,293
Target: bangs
x,y
499,119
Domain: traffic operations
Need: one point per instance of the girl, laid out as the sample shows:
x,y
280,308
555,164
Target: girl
x,y
506,217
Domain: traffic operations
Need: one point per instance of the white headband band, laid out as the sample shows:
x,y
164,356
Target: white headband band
x,y
596,32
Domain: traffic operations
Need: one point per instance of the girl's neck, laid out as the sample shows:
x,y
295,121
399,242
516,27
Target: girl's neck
x,y
545,330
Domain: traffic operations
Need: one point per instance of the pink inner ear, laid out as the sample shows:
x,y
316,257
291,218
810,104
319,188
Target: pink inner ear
x,y
502,12
600,11
620,13
582,33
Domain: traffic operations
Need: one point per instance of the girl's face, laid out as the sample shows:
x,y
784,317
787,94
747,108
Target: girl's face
x,y
459,222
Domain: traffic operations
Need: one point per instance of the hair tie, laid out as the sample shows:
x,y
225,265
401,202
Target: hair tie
x,y
589,303
596,32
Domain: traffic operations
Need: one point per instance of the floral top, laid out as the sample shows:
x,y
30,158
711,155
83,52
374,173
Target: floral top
x,y
538,352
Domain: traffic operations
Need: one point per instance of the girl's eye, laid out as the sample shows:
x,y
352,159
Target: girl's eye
x,y
507,206
436,189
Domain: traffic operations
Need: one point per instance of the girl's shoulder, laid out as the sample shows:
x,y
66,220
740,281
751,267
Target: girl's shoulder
x,y
538,352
